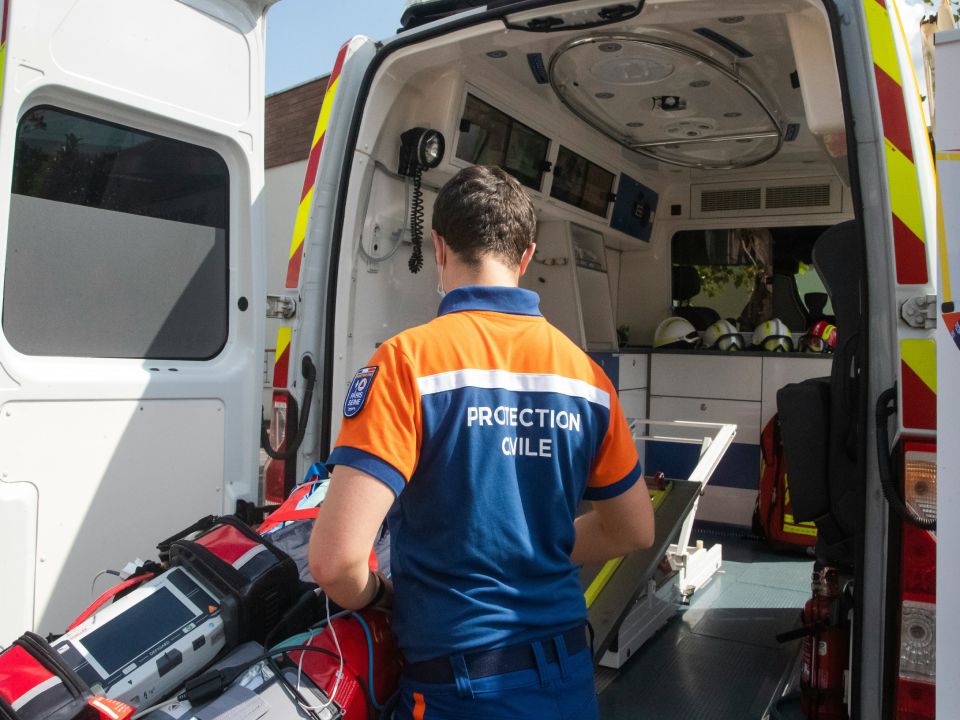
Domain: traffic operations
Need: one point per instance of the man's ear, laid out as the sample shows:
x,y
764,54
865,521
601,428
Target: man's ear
x,y
439,247
527,257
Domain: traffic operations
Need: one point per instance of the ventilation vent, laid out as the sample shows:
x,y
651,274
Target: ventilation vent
x,y
726,200
798,196
806,196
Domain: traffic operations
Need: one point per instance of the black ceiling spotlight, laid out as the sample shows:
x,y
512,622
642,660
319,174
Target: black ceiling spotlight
x,y
420,149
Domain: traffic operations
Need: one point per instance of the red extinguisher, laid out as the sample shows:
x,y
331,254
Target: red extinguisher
x,y
825,649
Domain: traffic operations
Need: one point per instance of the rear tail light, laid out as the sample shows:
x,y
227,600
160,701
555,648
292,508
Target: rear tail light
x,y
916,684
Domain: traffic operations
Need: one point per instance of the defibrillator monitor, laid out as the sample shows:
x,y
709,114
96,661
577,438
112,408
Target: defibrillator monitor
x,y
146,644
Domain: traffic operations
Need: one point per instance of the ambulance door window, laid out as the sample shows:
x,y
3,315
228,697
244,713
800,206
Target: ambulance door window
x,y
117,242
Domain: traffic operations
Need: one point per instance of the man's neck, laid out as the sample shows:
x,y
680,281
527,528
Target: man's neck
x,y
489,272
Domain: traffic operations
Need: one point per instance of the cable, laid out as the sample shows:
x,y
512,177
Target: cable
x,y
416,225
882,412
339,675
366,631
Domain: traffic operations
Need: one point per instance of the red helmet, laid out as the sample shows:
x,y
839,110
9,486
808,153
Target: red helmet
x,y
820,338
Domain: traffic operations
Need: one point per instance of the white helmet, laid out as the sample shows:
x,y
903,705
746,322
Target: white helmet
x,y
723,336
773,335
675,332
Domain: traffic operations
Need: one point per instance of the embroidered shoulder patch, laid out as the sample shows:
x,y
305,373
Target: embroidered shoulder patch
x,y
359,389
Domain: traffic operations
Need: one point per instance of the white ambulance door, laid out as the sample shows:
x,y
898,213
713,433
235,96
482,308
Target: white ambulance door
x,y
132,309
948,366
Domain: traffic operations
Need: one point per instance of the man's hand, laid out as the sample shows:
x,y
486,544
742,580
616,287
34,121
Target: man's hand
x,y
615,527
344,531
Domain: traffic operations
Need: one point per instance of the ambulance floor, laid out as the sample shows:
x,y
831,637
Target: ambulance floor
x,y
718,659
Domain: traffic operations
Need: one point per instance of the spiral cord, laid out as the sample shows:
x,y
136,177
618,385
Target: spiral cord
x,y
416,226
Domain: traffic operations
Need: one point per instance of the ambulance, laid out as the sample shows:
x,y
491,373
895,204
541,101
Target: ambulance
x,y
749,160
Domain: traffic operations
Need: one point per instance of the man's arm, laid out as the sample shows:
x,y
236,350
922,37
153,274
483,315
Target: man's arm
x,y
345,529
614,527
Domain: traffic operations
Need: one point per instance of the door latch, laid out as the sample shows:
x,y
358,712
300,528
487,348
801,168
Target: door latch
x,y
281,306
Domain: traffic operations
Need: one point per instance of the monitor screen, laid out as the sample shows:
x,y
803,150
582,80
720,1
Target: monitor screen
x,y
140,627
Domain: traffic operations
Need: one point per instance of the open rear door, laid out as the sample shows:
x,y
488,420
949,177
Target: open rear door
x,y
130,233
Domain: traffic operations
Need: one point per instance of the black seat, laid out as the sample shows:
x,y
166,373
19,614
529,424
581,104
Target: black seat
x,y
821,419
787,304
686,286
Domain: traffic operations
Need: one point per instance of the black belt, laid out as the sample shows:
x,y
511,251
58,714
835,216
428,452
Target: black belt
x,y
497,661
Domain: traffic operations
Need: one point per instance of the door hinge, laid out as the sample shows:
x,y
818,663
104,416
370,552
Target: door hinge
x,y
281,306
920,311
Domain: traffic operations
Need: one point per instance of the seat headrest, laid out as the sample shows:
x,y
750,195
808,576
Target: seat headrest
x,y
686,282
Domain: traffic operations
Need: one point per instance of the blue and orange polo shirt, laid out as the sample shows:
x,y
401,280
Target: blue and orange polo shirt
x,y
491,426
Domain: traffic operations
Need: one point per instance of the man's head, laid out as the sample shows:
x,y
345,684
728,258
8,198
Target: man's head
x,y
483,212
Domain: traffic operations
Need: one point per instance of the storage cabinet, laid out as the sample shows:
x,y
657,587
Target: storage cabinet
x,y
569,271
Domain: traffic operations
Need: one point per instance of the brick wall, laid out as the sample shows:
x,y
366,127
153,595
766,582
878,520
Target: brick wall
x,y
291,118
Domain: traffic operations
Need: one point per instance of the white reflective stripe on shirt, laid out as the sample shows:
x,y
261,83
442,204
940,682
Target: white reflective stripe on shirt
x,y
516,382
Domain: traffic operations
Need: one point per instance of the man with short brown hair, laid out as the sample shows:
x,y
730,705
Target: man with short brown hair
x,y
480,433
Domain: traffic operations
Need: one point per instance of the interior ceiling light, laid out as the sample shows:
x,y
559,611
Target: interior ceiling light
x,y
631,70
497,54
649,117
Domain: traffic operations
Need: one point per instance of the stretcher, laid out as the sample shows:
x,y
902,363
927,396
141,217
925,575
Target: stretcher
x,y
622,606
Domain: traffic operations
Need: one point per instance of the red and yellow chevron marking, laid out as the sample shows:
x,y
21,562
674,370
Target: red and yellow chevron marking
x,y
918,389
909,237
281,358
310,177
3,45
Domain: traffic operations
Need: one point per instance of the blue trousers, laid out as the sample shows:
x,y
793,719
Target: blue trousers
x,y
558,690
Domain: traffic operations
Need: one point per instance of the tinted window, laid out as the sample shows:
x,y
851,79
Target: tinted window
x,y
491,137
579,182
117,242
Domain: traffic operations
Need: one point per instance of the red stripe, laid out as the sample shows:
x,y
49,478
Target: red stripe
x,y
310,177
919,401
910,253
20,673
882,4
281,368
338,65
227,543
893,110
293,267
3,31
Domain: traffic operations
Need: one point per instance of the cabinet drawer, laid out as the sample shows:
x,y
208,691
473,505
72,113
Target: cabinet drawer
x,y
745,414
634,403
633,371
725,377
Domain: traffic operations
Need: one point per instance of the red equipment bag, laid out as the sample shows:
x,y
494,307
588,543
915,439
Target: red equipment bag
x,y
247,571
773,517
36,685
366,644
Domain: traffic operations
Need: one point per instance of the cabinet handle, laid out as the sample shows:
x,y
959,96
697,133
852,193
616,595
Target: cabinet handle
x,y
703,406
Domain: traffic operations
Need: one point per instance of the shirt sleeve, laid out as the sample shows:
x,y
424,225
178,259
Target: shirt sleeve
x,y
617,465
382,438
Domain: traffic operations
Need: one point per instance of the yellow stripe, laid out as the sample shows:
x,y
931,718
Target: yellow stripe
x,y
3,65
798,528
606,572
942,250
948,156
300,226
283,342
921,357
324,112
904,190
881,39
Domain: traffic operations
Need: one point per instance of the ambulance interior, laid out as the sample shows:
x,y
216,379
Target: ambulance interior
x,y
680,160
